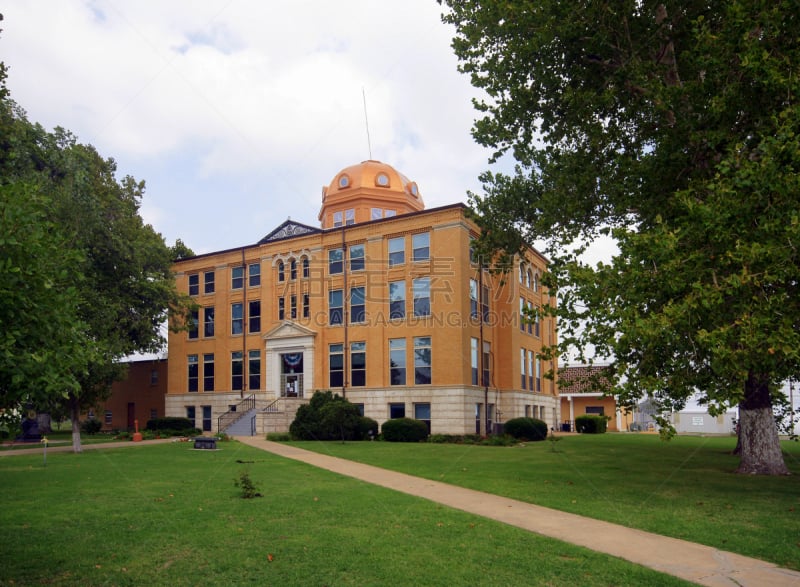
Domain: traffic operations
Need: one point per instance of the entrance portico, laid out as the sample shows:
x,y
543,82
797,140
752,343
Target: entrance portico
x,y
290,361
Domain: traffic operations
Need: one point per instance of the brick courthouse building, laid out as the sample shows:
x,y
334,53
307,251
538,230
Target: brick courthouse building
x,y
381,303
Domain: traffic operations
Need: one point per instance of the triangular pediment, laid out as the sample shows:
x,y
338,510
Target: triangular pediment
x,y
288,229
288,330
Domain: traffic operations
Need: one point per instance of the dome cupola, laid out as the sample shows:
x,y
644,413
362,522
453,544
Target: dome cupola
x,y
368,191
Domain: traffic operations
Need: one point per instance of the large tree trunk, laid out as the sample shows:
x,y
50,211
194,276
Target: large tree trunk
x,y
760,448
75,415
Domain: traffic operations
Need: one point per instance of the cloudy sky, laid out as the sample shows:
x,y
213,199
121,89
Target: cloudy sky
x,y
237,112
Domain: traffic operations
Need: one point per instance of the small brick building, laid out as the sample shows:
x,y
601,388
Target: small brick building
x,y
582,390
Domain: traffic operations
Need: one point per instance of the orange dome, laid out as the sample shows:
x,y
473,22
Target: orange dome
x,y
368,191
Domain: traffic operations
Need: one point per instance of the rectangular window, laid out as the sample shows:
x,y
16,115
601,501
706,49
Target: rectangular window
x,y
254,370
306,306
376,214
293,269
423,412
397,410
349,217
193,372
335,261
254,316
487,363
153,413
397,251
254,271
530,370
194,284
194,325
530,322
473,298
538,374
421,246
237,318
536,323
358,364
522,307
293,307
108,419
208,322
336,365
473,359
191,414
208,282
397,361
281,308
237,277
522,356
421,291
154,377
237,370
357,305
335,307
422,360
389,213
397,300
206,418
306,268
208,372
337,219
485,303
357,258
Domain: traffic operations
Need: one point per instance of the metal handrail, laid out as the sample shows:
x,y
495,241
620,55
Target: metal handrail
x,y
232,416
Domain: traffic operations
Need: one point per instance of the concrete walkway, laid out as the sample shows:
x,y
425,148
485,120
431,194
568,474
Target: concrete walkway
x,y
700,564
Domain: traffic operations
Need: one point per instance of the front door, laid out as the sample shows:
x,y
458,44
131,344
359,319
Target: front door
x,y
292,374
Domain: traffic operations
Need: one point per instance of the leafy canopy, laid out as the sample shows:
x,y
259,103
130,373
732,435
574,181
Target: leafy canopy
x,y
672,127
85,282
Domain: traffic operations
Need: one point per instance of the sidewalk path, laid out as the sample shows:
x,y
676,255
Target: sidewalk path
x,y
700,564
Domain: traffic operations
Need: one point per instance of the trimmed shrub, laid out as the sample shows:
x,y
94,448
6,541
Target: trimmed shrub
x,y
327,416
526,429
171,432
591,424
170,423
404,430
365,426
278,436
91,427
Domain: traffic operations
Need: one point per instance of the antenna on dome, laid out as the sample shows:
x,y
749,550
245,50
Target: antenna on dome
x,y
366,121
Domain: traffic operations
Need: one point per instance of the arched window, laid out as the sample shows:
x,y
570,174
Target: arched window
x,y
281,273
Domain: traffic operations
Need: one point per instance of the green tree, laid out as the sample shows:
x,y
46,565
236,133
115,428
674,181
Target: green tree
x,y
107,275
674,129
43,343
327,416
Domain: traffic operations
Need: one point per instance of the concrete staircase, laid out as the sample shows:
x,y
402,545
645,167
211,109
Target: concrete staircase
x,y
244,426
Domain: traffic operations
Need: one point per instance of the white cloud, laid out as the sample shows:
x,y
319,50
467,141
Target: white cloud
x,y
237,112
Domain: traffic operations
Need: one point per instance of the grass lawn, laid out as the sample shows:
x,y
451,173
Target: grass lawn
x,y
684,488
60,438
169,515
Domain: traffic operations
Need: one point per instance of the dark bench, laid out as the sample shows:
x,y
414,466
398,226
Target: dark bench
x,y
204,442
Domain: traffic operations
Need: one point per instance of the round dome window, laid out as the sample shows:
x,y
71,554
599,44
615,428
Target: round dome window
x,y
382,180
344,181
